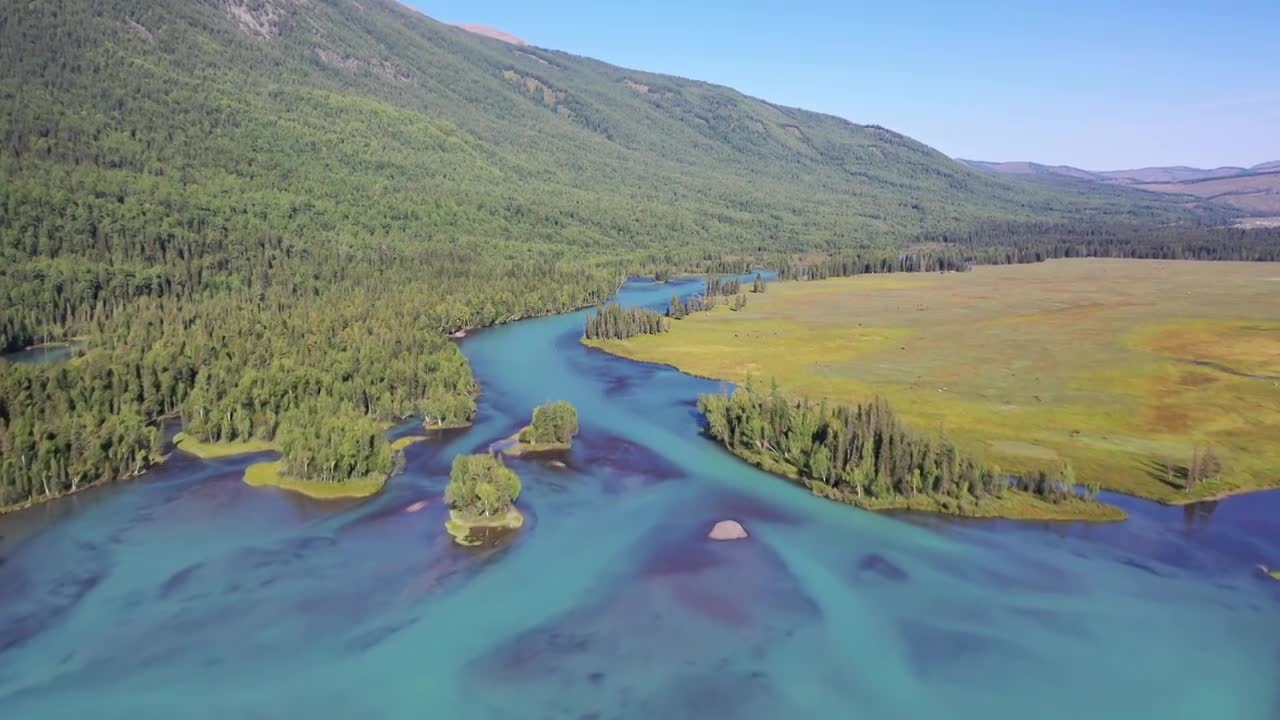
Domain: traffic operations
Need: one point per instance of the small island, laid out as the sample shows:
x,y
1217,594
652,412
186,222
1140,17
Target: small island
x,y
552,428
481,494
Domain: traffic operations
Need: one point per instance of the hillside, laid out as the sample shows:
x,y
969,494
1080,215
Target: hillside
x,y
1254,190
1256,193
264,212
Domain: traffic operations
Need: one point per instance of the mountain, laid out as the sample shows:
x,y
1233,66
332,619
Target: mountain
x,y
1254,190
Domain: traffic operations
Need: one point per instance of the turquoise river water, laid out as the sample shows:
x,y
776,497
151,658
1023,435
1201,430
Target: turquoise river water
x,y
187,594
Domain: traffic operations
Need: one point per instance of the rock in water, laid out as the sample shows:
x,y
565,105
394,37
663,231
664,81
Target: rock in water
x,y
728,530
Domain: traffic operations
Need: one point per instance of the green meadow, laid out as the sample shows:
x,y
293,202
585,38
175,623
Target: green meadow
x,y
1124,368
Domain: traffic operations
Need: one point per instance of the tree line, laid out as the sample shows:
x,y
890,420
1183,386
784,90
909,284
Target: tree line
x,y
614,322
862,452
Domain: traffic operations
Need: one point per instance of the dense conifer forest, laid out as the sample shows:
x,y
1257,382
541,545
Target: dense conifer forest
x,y
249,206
614,322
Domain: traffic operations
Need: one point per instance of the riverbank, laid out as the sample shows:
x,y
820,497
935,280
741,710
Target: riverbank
x,y
1012,505
271,474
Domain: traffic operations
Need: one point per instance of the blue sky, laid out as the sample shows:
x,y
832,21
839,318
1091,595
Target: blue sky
x,y
1099,85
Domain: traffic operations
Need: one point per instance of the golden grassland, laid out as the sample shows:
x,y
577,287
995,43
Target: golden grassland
x,y
1118,366
209,450
471,530
271,474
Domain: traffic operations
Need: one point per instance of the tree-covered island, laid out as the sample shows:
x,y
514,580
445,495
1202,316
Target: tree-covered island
x,y
553,426
482,492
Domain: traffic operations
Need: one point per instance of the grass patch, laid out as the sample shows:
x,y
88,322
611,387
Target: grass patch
x,y
472,530
404,442
1275,574
1118,366
271,474
209,451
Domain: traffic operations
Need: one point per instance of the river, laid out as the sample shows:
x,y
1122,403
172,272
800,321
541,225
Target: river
x,y
189,594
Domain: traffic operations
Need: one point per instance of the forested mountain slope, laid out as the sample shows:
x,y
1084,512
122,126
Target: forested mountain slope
x,y
253,205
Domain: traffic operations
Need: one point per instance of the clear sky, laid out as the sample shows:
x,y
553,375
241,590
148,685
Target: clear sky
x,y
1101,85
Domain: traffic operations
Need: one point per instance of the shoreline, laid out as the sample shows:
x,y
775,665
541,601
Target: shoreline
x,y
270,474
1030,508
36,502
461,525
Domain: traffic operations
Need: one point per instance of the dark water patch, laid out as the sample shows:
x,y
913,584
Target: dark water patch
x,y
679,559
373,637
748,508
390,509
875,565
1012,571
938,653
179,580
31,607
1139,565
621,462
1053,621
536,652
727,693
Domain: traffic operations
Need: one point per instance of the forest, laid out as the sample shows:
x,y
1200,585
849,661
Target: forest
x,y
235,244
861,454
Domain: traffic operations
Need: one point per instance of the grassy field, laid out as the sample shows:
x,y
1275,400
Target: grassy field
x,y
269,474
209,451
1122,367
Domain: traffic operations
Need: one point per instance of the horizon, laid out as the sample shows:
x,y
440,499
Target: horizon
x,y
954,81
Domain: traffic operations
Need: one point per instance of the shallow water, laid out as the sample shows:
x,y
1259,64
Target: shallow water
x,y
188,594
47,354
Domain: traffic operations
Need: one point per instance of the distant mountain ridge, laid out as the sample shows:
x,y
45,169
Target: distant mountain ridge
x,y
1256,189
